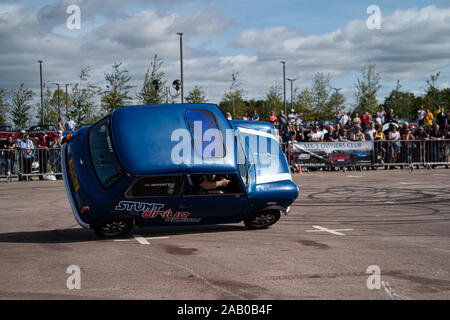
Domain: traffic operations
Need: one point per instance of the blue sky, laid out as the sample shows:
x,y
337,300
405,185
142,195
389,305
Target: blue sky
x,y
222,36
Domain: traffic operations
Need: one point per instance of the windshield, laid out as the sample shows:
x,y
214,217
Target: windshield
x,y
5,128
104,160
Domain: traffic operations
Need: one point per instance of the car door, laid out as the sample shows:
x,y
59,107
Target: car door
x,y
221,205
154,200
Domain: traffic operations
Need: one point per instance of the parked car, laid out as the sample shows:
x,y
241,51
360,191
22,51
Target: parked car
x,y
154,165
5,131
50,130
339,157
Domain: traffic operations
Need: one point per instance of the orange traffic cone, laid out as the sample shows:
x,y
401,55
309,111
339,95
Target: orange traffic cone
x,y
299,169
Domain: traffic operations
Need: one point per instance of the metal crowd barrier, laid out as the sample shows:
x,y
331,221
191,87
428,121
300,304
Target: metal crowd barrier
x,y
384,153
44,163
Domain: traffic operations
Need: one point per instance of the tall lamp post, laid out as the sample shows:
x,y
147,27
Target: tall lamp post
x,y
67,113
181,65
284,86
59,105
42,93
292,92
335,97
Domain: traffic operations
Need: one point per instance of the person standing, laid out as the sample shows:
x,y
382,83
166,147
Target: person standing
x,y
428,118
246,116
26,148
441,120
70,124
255,116
420,116
273,119
281,120
43,151
8,153
382,114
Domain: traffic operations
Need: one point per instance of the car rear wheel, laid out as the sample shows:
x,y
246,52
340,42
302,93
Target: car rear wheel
x,y
114,228
262,219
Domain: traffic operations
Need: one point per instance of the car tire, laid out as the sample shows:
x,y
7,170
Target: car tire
x,y
114,228
262,219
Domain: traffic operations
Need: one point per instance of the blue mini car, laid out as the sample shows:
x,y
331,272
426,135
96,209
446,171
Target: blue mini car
x,y
175,164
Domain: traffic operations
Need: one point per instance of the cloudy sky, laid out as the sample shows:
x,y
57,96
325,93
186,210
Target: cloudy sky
x,y
220,36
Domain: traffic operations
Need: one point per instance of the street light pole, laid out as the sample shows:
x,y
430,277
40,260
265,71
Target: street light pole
x,y
284,86
292,92
42,93
335,97
181,65
67,114
59,105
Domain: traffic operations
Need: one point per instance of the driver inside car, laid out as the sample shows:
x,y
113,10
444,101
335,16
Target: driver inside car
x,y
208,183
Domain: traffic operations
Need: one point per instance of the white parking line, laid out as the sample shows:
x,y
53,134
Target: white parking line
x,y
140,239
322,229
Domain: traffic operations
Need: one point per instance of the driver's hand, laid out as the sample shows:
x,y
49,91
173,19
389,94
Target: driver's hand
x,y
225,182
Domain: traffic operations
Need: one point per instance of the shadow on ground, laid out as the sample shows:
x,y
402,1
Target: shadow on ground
x,y
82,235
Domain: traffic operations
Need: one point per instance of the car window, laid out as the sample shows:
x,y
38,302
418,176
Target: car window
x,y
242,162
162,186
201,122
104,160
204,184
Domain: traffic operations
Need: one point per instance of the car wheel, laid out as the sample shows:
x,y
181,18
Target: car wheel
x,y
262,219
114,228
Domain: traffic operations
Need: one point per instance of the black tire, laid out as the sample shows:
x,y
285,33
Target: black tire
x,y
262,219
114,228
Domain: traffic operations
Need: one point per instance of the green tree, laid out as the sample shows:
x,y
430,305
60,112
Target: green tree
x,y
366,90
196,95
336,101
21,105
433,95
233,100
116,93
50,108
305,102
83,109
274,99
148,94
403,103
320,92
62,102
4,107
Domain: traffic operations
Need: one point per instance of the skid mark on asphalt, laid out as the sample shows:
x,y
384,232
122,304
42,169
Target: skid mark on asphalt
x,y
189,270
310,243
171,249
390,292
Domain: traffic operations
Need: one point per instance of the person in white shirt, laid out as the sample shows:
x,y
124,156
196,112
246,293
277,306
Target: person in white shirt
x,y
369,133
344,120
70,124
382,114
420,116
315,135
292,117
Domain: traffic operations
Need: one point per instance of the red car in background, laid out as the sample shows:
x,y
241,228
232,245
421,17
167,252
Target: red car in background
x,y
5,131
50,130
339,157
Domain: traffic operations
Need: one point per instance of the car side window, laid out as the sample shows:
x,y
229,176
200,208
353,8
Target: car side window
x,y
161,186
206,184
242,162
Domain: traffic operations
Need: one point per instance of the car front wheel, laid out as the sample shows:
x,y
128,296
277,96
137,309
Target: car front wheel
x,y
114,228
262,219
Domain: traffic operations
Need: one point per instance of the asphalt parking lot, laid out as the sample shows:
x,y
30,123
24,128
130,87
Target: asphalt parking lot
x,y
341,225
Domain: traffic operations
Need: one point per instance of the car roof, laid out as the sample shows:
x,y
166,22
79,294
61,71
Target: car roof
x,y
142,139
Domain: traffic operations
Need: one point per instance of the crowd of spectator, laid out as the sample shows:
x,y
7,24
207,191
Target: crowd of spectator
x,y
379,127
25,150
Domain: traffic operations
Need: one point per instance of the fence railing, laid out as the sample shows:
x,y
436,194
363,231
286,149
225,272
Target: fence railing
x,y
403,153
44,163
